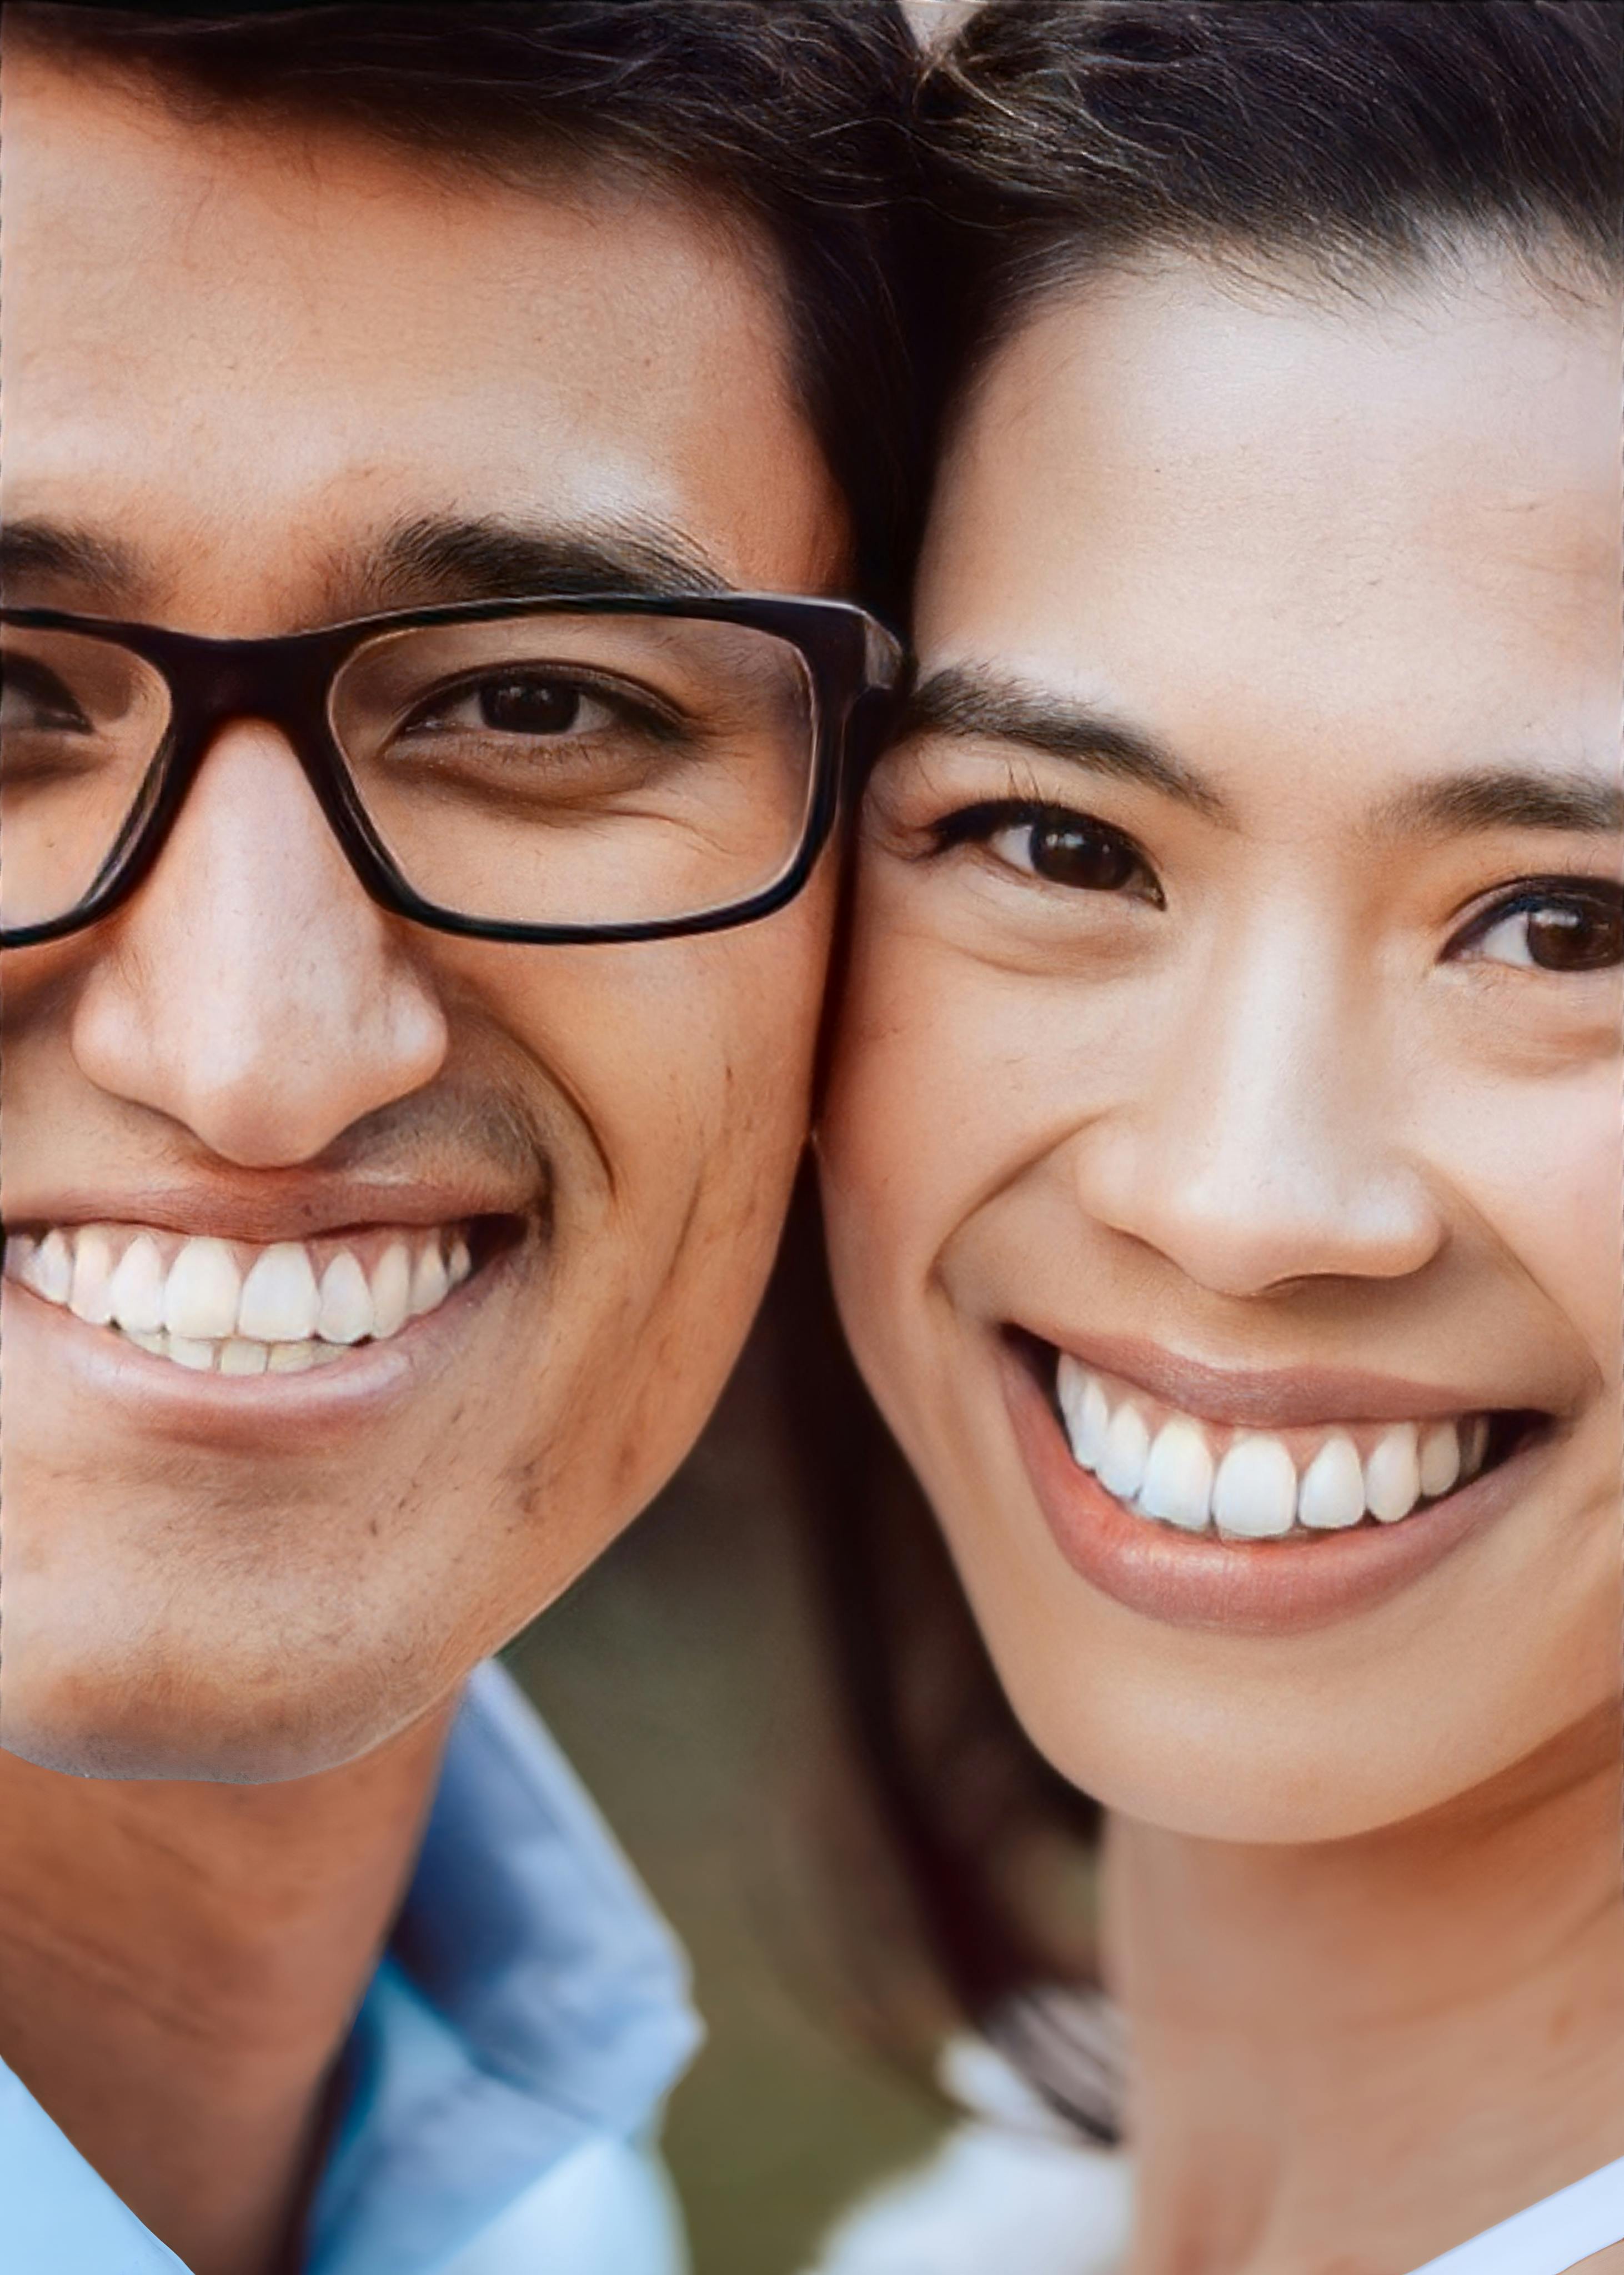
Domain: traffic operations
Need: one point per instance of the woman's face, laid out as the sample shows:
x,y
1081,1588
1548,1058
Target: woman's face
x,y
1223,1159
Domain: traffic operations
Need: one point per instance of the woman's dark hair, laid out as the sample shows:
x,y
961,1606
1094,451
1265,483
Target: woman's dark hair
x,y
1341,139
792,112
1316,144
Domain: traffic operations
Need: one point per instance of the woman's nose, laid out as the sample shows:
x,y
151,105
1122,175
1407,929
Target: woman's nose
x,y
251,990
1265,1140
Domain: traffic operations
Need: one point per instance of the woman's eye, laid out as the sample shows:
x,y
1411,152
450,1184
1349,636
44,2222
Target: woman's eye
x,y
1067,848
1578,932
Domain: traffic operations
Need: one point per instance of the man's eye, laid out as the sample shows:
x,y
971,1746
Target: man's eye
x,y
519,704
1554,930
32,697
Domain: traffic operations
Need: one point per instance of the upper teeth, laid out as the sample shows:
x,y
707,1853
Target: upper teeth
x,y
1257,1487
241,1309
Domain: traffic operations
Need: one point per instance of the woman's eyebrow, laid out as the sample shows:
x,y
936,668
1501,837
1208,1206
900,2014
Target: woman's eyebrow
x,y
972,703
988,705
1506,798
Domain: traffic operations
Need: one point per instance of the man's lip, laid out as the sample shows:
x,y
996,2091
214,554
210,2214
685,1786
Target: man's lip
x,y
252,1414
1265,1398
287,1212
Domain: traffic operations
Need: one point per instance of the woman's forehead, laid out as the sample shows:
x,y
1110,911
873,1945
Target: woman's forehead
x,y
1344,527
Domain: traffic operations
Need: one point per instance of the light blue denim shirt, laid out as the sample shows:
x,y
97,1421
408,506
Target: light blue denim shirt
x,y
506,2069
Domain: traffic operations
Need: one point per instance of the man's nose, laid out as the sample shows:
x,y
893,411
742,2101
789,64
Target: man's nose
x,y
251,990
1265,1140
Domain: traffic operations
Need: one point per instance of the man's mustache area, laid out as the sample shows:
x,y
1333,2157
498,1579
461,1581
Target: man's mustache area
x,y
221,1271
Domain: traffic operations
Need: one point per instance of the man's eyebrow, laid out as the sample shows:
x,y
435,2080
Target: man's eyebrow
x,y
978,705
490,558
37,550
1508,797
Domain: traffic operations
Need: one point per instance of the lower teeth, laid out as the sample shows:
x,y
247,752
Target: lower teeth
x,y
235,1357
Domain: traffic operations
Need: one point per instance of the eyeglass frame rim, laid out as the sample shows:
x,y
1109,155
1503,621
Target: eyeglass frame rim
x,y
852,658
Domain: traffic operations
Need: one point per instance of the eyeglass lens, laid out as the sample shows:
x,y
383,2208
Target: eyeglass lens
x,y
547,770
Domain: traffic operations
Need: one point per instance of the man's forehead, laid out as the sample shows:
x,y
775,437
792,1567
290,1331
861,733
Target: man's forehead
x,y
272,369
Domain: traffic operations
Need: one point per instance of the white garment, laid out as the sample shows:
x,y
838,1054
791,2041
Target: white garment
x,y
1561,2232
1014,2190
990,2199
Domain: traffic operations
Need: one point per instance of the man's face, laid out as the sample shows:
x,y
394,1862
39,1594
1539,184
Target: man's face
x,y
264,379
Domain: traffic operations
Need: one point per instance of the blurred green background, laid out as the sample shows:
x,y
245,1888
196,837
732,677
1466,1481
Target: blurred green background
x,y
683,1676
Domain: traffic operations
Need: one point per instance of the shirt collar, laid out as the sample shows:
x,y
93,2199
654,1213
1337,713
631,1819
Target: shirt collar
x,y
531,2000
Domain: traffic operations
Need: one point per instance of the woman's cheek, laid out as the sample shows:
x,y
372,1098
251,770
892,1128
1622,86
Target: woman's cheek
x,y
1541,1164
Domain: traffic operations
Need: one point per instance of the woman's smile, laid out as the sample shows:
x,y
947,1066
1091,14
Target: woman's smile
x,y
1200,1522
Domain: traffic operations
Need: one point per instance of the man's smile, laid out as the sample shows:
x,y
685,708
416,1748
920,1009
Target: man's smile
x,y
239,1307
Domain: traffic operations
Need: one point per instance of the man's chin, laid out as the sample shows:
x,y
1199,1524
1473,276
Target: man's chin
x,y
237,1722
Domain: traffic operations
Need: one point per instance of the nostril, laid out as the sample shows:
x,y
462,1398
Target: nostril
x,y
266,1059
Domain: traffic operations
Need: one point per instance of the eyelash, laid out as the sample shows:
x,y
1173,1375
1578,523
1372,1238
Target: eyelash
x,y
1587,897
1594,898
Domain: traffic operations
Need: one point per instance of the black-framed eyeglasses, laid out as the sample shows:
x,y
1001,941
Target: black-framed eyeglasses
x,y
562,768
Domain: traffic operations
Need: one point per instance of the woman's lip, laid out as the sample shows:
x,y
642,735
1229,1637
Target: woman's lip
x,y
251,1414
1269,1398
1258,1588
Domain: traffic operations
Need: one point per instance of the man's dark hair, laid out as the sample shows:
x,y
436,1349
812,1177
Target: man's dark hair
x,y
791,112
1326,145
1344,138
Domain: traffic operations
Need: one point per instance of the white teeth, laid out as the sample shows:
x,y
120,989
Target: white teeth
x,y
201,1314
430,1282
49,1270
92,1272
194,1351
1392,1474
20,1253
204,1289
280,1297
1440,1460
1331,1494
1178,1476
240,1356
1082,1404
1125,1452
296,1358
136,1296
1255,1492
345,1316
391,1291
